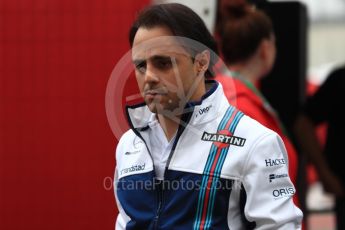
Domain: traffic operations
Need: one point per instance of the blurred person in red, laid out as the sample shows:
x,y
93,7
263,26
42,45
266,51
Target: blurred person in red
x,y
247,43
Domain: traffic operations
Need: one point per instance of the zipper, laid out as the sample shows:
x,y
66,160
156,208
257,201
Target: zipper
x,y
184,120
160,188
183,123
160,203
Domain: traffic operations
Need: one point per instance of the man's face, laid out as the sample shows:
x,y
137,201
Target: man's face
x,y
164,70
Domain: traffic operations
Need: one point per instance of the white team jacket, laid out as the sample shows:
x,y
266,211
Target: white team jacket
x,y
225,171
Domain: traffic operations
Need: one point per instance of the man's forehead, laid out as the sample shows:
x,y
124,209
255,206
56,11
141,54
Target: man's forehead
x,y
159,47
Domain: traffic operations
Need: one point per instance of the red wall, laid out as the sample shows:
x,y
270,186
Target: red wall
x,y
56,147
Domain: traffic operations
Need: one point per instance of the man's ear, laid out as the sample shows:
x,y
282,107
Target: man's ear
x,y
202,61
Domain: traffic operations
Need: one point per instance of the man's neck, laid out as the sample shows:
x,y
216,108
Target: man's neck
x,y
168,125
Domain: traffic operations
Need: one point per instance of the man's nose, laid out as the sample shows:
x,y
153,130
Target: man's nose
x,y
151,75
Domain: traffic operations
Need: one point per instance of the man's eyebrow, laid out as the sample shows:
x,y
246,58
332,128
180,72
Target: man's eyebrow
x,y
153,58
160,57
138,61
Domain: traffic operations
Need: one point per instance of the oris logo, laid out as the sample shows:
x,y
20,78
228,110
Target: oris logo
x,y
275,162
283,192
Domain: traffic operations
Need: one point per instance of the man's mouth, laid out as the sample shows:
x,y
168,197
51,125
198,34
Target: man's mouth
x,y
154,93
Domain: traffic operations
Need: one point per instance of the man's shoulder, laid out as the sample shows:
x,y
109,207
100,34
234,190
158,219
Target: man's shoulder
x,y
127,139
260,140
252,128
127,135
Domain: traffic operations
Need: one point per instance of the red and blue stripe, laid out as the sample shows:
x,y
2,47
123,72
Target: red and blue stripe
x,y
213,170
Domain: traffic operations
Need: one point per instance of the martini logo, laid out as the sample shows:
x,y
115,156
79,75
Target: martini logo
x,y
223,139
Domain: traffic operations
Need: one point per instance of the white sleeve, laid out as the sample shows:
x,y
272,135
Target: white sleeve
x,y
268,187
122,219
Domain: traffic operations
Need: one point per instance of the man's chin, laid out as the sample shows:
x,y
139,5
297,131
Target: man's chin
x,y
158,108
166,111
155,108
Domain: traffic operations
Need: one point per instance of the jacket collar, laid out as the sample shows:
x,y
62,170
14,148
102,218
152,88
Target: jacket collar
x,y
211,105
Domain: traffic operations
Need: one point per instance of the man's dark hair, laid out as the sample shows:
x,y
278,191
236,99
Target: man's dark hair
x,y
182,21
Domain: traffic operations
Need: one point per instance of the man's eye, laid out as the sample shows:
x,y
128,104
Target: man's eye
x,y
141,67
163,64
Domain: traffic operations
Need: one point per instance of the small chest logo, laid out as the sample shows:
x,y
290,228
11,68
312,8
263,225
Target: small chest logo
x,y
223,139
203,110
277,176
